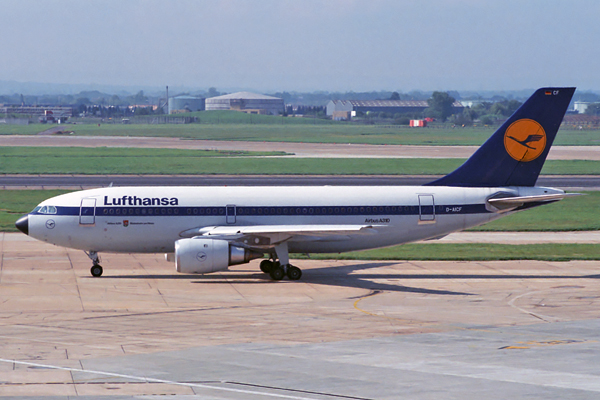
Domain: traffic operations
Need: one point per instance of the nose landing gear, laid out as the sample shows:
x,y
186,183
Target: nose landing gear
x,y
96,269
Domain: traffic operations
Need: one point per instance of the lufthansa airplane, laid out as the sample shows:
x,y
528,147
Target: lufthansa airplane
x,y
207,229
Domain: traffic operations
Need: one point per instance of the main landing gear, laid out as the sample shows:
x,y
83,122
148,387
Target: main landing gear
x,y
278,269
96,269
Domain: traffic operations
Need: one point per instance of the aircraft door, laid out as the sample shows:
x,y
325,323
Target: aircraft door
x,y
87,211
231,212
426,209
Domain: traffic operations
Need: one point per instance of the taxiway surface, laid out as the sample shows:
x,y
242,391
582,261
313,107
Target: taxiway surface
x,y
347,330
326,150
74,182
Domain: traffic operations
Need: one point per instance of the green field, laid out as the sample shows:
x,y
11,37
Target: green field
x,y
82,160
15,203
231,125
471,252
572,214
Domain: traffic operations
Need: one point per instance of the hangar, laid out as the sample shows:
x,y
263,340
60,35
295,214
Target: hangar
x,y
180,104
351,107
247,102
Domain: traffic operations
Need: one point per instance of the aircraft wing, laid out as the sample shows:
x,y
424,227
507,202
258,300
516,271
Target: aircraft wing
x,y
261,236
510,203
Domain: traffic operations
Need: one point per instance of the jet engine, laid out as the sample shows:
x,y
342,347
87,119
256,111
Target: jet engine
x,y
202,256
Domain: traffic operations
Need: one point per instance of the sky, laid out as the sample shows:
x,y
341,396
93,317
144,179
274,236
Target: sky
x,y
303,45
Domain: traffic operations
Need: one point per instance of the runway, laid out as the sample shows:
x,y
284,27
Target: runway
x,y
347,330
326,150
75,182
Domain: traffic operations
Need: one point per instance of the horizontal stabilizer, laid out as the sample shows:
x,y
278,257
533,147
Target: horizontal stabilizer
x,y
509,203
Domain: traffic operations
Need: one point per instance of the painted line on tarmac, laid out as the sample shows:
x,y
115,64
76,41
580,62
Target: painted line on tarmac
x,y
168,382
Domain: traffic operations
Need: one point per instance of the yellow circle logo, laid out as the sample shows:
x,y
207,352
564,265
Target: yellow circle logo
x,y
525,140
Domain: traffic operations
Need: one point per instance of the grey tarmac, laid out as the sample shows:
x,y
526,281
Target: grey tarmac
x,y
571,183
326,150
347,330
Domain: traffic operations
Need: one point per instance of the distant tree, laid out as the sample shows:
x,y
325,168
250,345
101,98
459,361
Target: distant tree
x,y
415,95
81,108
212,92
142,111
505,107
114,100
140,98
395,96
588,97
488,119
469,114
83,101
463,119
402,120
479,109
593,109
440,106
455,94
287,97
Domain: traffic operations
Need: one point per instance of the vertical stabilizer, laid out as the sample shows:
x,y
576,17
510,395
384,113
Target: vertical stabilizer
x,y
515,154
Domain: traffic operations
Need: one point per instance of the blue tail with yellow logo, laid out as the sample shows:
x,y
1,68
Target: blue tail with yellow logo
x,y
514,155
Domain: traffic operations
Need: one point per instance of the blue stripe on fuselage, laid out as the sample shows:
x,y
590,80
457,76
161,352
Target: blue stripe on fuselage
x,y
116,211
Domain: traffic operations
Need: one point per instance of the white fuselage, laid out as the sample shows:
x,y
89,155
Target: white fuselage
x,y
151,219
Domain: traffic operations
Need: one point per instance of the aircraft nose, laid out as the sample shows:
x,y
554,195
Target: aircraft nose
x,y
22,224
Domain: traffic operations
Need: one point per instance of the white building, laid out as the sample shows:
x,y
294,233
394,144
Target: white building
x,y
185,103
580,106
246,102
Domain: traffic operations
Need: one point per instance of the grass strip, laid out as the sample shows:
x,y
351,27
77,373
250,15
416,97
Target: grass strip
x,y
571,214
471,252
15,203
78,160
120,152
234,126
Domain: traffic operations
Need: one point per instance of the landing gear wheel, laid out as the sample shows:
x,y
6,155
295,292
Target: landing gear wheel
x,y
294,273
277,273
96,271
266,266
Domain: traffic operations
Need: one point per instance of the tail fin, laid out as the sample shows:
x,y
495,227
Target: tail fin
x,y
514,155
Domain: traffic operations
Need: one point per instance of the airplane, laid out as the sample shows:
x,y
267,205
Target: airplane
x,y
208,229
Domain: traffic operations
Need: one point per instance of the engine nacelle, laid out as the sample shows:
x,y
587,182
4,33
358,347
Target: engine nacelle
x,y
202,256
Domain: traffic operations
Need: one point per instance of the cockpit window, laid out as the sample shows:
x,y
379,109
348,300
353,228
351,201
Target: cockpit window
x,y
36,209
47,210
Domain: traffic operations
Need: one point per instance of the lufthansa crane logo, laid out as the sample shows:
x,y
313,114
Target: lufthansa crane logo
x,y
201,256
525,140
